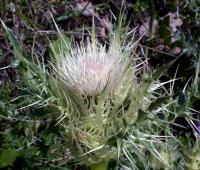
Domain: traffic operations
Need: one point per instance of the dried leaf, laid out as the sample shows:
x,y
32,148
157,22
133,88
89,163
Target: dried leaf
x,y
86,8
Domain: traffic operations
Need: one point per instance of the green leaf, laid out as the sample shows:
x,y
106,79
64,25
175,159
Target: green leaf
x,y
16,46
8,157
158,102
164,30
60,44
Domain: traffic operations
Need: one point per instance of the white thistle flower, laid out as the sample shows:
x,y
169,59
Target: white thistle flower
x,y
92,69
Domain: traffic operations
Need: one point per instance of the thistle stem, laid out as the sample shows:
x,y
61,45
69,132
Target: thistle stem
x,y
100,166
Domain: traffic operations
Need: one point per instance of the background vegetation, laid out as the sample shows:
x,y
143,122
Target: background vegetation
x,y
29,138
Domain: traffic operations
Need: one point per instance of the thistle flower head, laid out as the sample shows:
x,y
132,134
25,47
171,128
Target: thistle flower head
x,y
92,69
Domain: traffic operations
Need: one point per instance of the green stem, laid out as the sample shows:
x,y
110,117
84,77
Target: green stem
x,y
100,166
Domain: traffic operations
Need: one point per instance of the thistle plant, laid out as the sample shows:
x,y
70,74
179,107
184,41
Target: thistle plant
x,y
105,97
